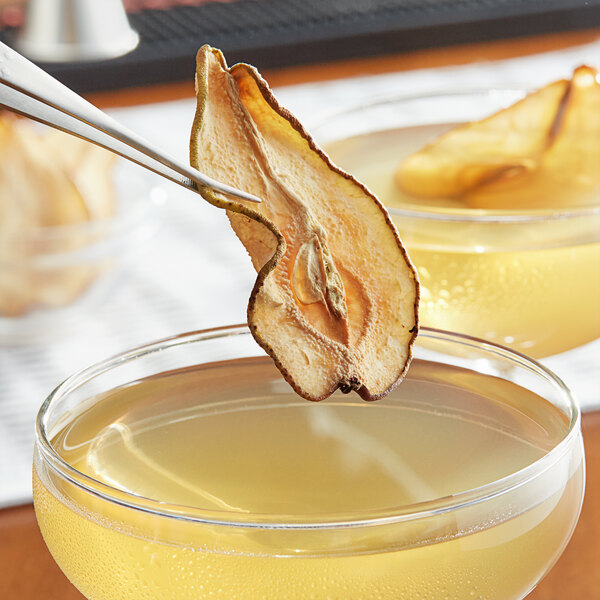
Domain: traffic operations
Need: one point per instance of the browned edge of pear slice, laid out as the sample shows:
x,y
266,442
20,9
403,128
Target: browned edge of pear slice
x,y
343,319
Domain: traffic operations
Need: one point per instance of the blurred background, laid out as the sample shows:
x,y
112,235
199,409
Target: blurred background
x,y
164,261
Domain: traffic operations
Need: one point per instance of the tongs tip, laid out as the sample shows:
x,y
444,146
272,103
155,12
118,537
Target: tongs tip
x,y
250,197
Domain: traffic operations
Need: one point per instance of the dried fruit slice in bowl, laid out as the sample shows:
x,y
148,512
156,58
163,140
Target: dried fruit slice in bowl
x,y
567,172
508,142
541,153
336,296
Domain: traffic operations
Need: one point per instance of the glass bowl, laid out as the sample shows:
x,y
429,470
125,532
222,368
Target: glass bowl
x,y
58,275
527,279
300,531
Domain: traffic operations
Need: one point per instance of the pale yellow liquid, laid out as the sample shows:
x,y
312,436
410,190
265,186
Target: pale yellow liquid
x,y
237,443
533,287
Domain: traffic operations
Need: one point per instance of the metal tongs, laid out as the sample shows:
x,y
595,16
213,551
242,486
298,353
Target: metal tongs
x,y
28,90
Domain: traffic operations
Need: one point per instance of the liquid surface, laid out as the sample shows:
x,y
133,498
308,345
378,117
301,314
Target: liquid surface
x,y
533,286
175,440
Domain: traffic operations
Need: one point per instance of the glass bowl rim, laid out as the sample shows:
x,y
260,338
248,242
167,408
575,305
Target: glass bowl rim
x,y
467,215
403,513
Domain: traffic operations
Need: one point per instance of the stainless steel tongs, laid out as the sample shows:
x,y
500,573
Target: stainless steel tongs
x,y
28,90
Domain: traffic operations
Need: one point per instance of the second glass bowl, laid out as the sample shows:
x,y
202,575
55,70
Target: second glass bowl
x,y
526,279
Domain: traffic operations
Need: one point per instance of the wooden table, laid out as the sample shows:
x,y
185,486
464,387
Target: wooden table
x,y
27,571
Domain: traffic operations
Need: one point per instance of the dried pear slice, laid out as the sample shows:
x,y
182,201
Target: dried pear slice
x,y
573,159
44,182
506,144
90,167
576,147
34,193
568,172
335,300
